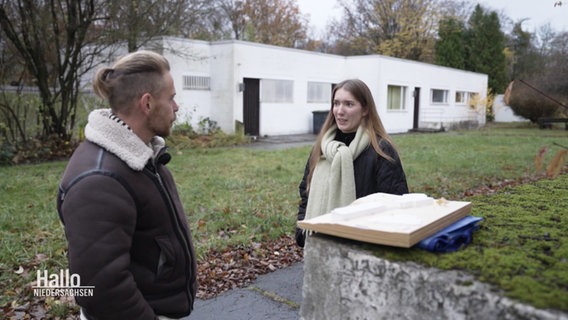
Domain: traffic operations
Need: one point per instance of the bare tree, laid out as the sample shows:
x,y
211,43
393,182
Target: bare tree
x,y
276,22
52,40
557,69
233,11
138,21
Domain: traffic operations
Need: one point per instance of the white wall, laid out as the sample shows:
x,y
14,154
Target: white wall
x,y
370,69
269,62
504,113
380,71
189,58
228,63
427,77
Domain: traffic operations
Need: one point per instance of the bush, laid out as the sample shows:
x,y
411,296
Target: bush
x,y
7,152
530,104
37,150
207,135
185,137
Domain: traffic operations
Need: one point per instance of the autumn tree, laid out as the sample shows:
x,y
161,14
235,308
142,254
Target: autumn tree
x,y
400,28
275,22
411,32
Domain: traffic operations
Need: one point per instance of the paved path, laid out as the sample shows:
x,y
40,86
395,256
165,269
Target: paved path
x,y
282,142
273,296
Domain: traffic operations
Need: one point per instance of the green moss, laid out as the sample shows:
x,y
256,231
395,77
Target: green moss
x,y
521,246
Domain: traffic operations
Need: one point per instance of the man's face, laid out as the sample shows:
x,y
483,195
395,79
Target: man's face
x,y
163,112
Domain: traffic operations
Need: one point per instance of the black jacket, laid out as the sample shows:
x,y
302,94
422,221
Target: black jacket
x,y
373,174
128,236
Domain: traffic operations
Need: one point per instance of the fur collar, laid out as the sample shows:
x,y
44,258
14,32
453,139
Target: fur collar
x,y
115,137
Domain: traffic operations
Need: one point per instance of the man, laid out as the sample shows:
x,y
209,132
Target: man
x,y
124,222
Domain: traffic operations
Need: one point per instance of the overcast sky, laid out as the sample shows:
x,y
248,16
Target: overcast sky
x,y
539,12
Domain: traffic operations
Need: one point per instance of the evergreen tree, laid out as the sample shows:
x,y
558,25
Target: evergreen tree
x,y
485,46
474,42
526,60
450,50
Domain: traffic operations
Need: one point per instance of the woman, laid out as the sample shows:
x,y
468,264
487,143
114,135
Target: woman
x,y
353,156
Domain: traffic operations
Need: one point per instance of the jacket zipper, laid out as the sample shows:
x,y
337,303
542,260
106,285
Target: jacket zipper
x,y
179,231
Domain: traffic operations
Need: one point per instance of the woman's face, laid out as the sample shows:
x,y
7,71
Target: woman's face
x,y
347,111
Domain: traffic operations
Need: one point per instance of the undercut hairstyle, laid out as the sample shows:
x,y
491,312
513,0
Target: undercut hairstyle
x,y
130,77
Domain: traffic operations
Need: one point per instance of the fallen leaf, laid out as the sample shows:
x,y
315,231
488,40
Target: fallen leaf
x,y
555,166
539,159
40,257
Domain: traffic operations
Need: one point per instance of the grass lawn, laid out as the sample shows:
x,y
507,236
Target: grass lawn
x,y
236,196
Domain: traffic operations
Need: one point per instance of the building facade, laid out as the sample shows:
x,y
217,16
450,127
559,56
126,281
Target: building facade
x,y
269,90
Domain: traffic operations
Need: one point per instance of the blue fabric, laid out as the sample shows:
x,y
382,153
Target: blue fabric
x,y
453,237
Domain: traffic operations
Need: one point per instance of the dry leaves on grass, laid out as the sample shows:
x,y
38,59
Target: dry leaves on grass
x,y
237,267
494,187
491,188
220,271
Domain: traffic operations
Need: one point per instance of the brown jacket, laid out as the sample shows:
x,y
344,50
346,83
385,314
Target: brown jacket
x,y
128,235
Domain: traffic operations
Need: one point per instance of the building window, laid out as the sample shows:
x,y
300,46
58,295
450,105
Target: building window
x,y
277,90
439,96
463,97
319,92
396,98
196,83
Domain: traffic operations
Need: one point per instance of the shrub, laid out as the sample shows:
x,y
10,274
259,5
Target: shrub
x,y
39,150
6,152
530,104
207,135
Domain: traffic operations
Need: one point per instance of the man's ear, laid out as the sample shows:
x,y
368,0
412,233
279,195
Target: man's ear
x,y
145,103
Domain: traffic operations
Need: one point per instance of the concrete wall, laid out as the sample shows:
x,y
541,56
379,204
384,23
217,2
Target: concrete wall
x,y
342,281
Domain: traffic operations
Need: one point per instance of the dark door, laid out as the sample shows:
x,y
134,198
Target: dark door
x,y
416,108
251,107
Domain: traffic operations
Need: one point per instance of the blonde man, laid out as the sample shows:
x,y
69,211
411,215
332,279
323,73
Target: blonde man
x,y
127,231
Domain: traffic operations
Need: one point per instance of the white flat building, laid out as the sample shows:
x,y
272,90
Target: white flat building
x,y
269,90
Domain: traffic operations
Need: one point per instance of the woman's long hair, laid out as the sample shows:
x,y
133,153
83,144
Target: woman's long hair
x,y
372,122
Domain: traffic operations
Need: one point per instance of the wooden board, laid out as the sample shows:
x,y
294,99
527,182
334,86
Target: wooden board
x,y
402,224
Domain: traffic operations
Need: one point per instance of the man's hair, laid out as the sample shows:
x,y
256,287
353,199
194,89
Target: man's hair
x,y
130,77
